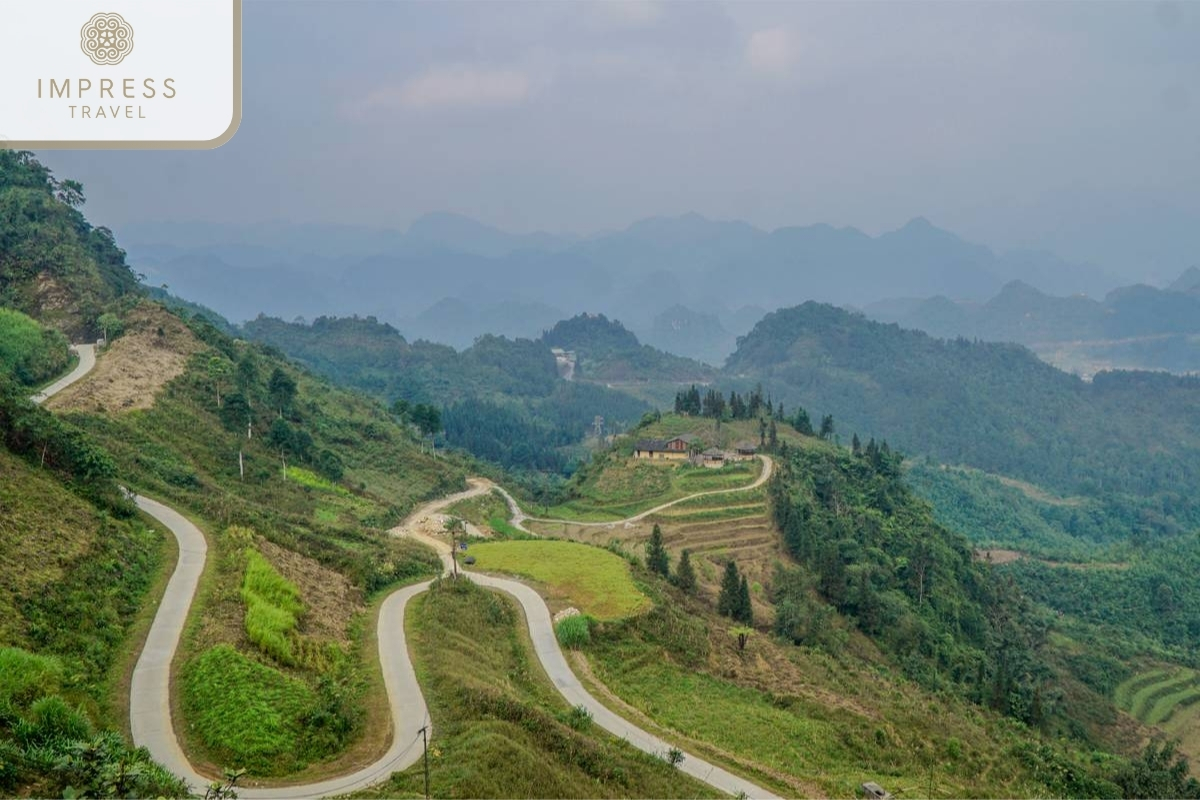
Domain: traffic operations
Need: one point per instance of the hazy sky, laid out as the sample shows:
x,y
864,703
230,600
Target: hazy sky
x,y
1070,126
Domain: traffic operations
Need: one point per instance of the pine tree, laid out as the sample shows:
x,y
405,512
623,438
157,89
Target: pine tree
x,y
685,575
656,555
729,599
744,611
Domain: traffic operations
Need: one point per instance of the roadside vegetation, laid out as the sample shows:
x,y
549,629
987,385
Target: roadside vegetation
x,y
500,727
33,355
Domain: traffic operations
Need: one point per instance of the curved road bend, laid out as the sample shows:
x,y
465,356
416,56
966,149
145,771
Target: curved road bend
x,y
150,717
150,686
87,360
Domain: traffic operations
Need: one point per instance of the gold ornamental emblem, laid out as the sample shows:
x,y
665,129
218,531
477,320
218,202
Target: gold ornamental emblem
x,y
106,39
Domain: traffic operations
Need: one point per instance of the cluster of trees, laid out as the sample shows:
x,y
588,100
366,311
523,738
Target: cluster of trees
x,y
658,561
713,404
874,553
246,402
43,233
425,416
733,601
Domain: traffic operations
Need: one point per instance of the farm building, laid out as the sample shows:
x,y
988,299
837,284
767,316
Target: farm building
x,y
677,448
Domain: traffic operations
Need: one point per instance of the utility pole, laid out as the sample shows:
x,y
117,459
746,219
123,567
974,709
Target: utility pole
x,y
425,741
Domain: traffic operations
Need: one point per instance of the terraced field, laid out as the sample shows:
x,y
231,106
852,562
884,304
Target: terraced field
x,y
1168,699
715,529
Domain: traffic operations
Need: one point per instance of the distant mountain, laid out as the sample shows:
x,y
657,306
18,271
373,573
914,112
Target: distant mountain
x,y
692,334
1130,440
1134,327
458,323
1189,281
465,235
607,351
712,267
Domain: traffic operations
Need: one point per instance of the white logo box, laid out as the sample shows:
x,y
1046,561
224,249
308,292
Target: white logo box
x,y
169,75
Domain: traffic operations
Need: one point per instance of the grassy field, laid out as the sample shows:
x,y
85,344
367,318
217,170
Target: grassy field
x,y
715,529
595,581
247,714
616,486
500,728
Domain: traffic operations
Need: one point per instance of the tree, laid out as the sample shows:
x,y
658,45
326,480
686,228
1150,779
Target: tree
x,y
218,370
281,389
1161,771
772,435
827,427
802,423
729,598
744,611
427,418
685,574
656,554
110,326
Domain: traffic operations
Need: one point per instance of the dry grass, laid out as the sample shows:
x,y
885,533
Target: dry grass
x,y
135,367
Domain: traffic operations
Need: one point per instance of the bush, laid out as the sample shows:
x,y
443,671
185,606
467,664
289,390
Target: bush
x,y
51,721
574,632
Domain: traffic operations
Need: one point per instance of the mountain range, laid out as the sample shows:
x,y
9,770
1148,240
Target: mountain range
x,y
1132,327
687,283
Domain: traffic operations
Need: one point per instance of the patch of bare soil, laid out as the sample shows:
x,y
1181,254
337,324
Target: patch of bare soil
x,y
153,351
330,600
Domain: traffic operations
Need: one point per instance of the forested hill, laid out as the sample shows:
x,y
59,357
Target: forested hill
x,y
1131,439
607,351
502,398
53,264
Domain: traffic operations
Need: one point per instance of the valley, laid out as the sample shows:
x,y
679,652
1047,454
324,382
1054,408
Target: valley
x,y
236,547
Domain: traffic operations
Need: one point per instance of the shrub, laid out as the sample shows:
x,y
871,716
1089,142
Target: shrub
x,y
574,632
51,721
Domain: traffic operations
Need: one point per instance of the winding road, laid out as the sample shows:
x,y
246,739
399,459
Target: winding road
x,y
150,690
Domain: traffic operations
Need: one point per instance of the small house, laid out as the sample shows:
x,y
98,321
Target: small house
x,y
713,457
745,449
659,449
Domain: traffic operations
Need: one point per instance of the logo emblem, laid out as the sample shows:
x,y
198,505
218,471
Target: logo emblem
x,y
106,39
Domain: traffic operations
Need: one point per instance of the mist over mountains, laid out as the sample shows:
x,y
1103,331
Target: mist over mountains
x,y
687,284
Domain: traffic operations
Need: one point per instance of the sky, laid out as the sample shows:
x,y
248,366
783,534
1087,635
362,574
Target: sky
x,y
1066,126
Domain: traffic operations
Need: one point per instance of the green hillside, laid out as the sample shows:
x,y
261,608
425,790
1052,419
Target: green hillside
x,y
502,399
1130,440
30,353
54,265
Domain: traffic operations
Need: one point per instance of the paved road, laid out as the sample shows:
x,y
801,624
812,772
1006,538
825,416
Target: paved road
x,y
150,686
763,477
150,718
87,360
